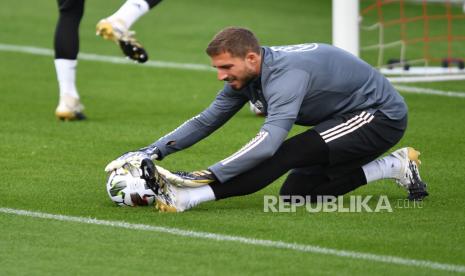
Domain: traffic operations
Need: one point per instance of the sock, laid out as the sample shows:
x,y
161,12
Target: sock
x,y
66,75
191,197
386,167
130,12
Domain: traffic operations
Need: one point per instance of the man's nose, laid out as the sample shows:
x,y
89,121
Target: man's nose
x,y
222,75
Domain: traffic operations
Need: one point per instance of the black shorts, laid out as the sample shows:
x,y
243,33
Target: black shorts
x,y
355,139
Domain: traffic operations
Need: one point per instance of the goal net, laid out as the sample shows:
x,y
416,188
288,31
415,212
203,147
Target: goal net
x,y
419,40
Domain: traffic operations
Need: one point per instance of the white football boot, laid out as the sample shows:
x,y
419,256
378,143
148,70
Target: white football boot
x,y
188,179
69,109
167,196
409,175
117,31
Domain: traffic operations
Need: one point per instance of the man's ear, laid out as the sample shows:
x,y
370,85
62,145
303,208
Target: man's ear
x,y
252,57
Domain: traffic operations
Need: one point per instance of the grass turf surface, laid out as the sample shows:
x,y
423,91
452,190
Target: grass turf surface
x,y
56,167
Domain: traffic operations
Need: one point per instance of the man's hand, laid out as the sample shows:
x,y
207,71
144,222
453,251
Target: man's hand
x,y
129,157
133,157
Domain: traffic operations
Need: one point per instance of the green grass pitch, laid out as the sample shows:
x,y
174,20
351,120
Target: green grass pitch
x,y
57,167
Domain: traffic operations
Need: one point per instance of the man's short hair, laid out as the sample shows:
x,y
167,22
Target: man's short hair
x,y
234,40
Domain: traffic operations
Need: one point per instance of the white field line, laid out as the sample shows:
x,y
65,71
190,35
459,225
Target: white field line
x,y
422,71
428,91
243,240
102,58
185,66
410,79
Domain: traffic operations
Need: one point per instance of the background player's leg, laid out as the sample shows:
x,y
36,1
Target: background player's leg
x,y
66,45
132,10
116,27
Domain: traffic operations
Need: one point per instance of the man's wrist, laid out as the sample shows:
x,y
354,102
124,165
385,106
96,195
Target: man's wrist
x,y
153,152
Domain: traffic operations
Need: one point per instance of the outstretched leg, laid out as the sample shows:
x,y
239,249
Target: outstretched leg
x,y
305,149
339,150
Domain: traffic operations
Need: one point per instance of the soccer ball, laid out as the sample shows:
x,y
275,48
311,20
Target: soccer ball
x,y
126,187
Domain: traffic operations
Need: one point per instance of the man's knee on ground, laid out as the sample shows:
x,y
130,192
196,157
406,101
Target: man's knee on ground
x,y
301,185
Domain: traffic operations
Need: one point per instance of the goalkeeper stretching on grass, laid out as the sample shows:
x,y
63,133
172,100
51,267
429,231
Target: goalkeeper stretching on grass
x,y
355,112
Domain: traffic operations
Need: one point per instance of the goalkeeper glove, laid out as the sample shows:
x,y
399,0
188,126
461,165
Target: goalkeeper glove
x,y
134,157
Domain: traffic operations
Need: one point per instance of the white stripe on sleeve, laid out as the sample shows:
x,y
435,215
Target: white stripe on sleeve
x,y
248,147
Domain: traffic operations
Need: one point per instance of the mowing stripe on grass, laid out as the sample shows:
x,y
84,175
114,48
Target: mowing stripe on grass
x,y
243,240
102,58
185,66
